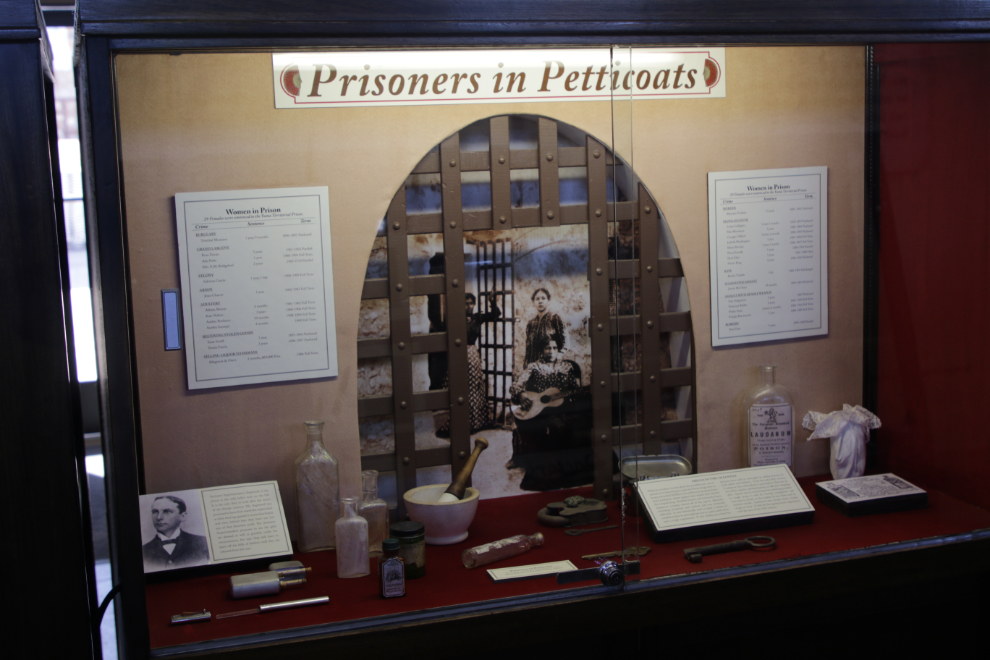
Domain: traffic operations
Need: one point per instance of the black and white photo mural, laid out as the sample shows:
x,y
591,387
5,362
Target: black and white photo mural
x,y
479,317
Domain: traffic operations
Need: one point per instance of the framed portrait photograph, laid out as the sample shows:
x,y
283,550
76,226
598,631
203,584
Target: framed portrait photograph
x,y
173,531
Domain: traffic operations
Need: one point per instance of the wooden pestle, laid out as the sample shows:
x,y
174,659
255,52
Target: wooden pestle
x,y
456,490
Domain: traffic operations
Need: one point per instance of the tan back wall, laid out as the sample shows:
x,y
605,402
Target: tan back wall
x,y
197,122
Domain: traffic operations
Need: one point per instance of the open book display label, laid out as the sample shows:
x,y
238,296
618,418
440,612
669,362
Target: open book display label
x,y
727,502
201,527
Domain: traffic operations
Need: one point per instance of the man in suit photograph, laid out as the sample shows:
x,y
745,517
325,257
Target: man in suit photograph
x,y
172,547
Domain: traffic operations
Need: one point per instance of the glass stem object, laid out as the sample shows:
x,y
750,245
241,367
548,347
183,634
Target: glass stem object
x,y
496,550
317,492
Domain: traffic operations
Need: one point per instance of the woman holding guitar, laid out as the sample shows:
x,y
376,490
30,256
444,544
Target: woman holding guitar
x,y
551,441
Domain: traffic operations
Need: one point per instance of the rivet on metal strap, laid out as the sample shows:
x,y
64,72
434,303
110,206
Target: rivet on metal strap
x,y
550,214
653,379
405,460
453,225
646,208
501,219
453,162
649,324
602,384
598,213
501,160
597,153
398,287
601,327
461,454
457,342
402,345
402,404
549,156
455,283
460,401
395,226
653,434
598,271
649,269
604,492
604,438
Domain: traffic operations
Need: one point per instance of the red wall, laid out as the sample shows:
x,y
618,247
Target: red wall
x,y
934,352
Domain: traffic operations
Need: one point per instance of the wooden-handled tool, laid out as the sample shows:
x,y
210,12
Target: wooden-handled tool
x,y
456,490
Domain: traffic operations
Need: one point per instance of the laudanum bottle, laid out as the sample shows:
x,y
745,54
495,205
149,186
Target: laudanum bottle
x,y
769,421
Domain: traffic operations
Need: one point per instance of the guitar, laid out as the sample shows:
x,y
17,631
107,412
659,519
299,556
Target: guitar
x,y
548,398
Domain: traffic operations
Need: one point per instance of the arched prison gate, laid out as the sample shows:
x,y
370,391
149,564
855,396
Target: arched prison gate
x,y
639,265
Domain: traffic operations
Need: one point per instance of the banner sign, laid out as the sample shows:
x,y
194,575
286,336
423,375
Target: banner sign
x,y
435,77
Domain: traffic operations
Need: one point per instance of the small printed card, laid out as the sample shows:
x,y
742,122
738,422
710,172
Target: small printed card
x,y
530,571
877,493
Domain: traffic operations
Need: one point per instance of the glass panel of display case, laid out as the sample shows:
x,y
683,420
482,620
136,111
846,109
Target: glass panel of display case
x,y
582,409
512,211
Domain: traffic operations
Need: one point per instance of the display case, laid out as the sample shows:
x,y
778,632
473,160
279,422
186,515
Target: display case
x,y
636,206
41,448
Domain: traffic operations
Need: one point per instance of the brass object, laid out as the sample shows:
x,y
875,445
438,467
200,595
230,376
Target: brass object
x,y
585,530
629,552
191,617
574,510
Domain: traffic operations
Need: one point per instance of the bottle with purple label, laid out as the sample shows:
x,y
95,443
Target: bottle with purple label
x,y
769,421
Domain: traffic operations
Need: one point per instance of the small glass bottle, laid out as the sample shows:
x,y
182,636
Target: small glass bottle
x,y
317,492
352,541
769,421
510,547
375,510
391,570
412,546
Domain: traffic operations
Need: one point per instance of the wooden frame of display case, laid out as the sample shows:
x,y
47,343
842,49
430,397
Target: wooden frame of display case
x,y
41,444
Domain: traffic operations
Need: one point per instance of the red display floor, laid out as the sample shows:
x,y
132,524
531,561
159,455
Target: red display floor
x,y
447,583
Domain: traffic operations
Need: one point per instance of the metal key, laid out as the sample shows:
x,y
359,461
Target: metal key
x,y
630,552
760,543
579,532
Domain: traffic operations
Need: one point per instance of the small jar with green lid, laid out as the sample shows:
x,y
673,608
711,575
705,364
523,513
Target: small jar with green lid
x,y
412,546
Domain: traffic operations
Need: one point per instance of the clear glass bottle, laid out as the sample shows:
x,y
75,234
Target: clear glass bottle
x,y
317,492
496,550
769,421
352,541
375,510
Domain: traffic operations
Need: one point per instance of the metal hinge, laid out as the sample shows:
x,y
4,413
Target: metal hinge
x,y
611,573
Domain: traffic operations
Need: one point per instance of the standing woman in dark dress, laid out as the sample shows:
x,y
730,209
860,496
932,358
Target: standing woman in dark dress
x,y
547,326
481,414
